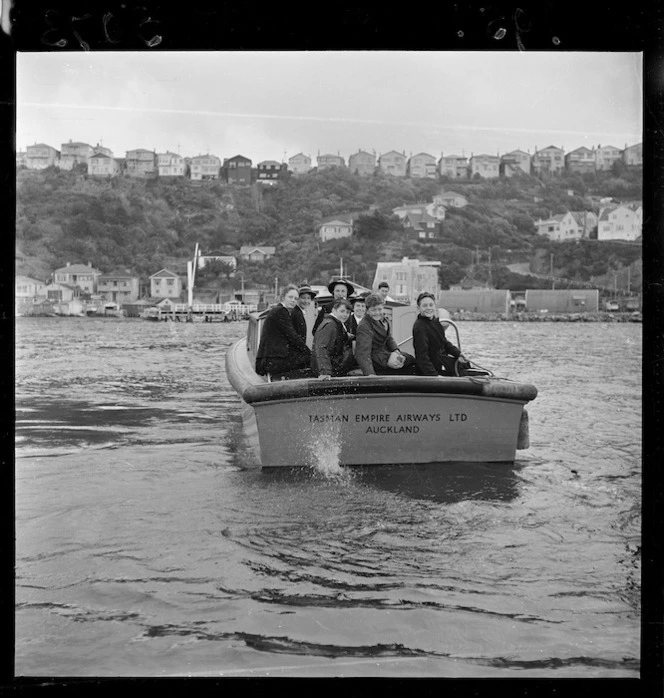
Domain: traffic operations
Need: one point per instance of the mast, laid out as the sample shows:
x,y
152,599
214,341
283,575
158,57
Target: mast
x,y
191,275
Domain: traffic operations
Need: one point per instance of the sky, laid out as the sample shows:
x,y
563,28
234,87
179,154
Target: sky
x,y
271,105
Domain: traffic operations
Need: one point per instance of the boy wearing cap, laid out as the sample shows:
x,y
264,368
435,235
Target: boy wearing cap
x,y
331,354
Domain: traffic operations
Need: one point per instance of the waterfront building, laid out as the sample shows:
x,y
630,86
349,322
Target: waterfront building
x,y
577,300
165,284
204,167
483,300
83,276
119,286
408,278
393,163
621,222
421,165
486,166
40,156
362,163
453,166
299,164
74,153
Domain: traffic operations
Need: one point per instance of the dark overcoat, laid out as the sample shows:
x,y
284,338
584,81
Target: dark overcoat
x,y
431,347
281,347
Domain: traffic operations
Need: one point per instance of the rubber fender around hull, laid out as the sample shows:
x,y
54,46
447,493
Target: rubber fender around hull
x,y
509,390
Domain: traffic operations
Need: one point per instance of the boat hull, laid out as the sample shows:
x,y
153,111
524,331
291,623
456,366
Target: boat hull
x,y
378,420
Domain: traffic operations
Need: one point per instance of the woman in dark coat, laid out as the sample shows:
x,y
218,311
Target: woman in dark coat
x,y
434,354
282,349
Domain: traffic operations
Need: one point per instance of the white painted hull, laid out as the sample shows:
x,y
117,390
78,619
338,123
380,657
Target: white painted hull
x,y
370,421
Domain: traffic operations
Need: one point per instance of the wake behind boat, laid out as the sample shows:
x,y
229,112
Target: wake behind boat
x,y
372,420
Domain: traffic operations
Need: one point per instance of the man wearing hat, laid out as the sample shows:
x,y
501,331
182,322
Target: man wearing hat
x,y
332,354
340,290
305,295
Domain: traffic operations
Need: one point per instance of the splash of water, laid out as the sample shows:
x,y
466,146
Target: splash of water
x,y
325,451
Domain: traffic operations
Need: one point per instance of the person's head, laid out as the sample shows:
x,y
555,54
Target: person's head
x,y
375,306
359,308
305,296
289,296
339,291
341,309
340,288
383,290
426,305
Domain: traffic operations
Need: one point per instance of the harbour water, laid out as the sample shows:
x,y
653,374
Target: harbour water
x,y
149,544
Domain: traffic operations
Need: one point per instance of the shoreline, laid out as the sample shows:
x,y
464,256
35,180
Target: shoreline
x,y
547,317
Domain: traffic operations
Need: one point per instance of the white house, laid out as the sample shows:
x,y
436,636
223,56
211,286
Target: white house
x,y
622,222
335,228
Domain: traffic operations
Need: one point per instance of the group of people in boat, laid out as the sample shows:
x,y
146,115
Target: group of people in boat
x,y
351,336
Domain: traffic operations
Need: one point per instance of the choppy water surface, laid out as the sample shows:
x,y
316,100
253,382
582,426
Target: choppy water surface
x,y
148,543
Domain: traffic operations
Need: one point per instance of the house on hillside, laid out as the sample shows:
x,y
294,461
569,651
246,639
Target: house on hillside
x,y
362,163
581,160
486,166
450,199
453,166
102,165
40,156
204,259
421,165
83,276
434,209
341,226
621,222
74,153
393,163
548,161
632,155
422,226
253,253
141,163
204,167
325,162
408,278
270,171
119,286
237,170
166,284
562,226
101,150
605,156
170,164
299,164
514,163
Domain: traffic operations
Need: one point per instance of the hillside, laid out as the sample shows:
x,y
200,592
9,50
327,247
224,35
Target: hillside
x,y
144,225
